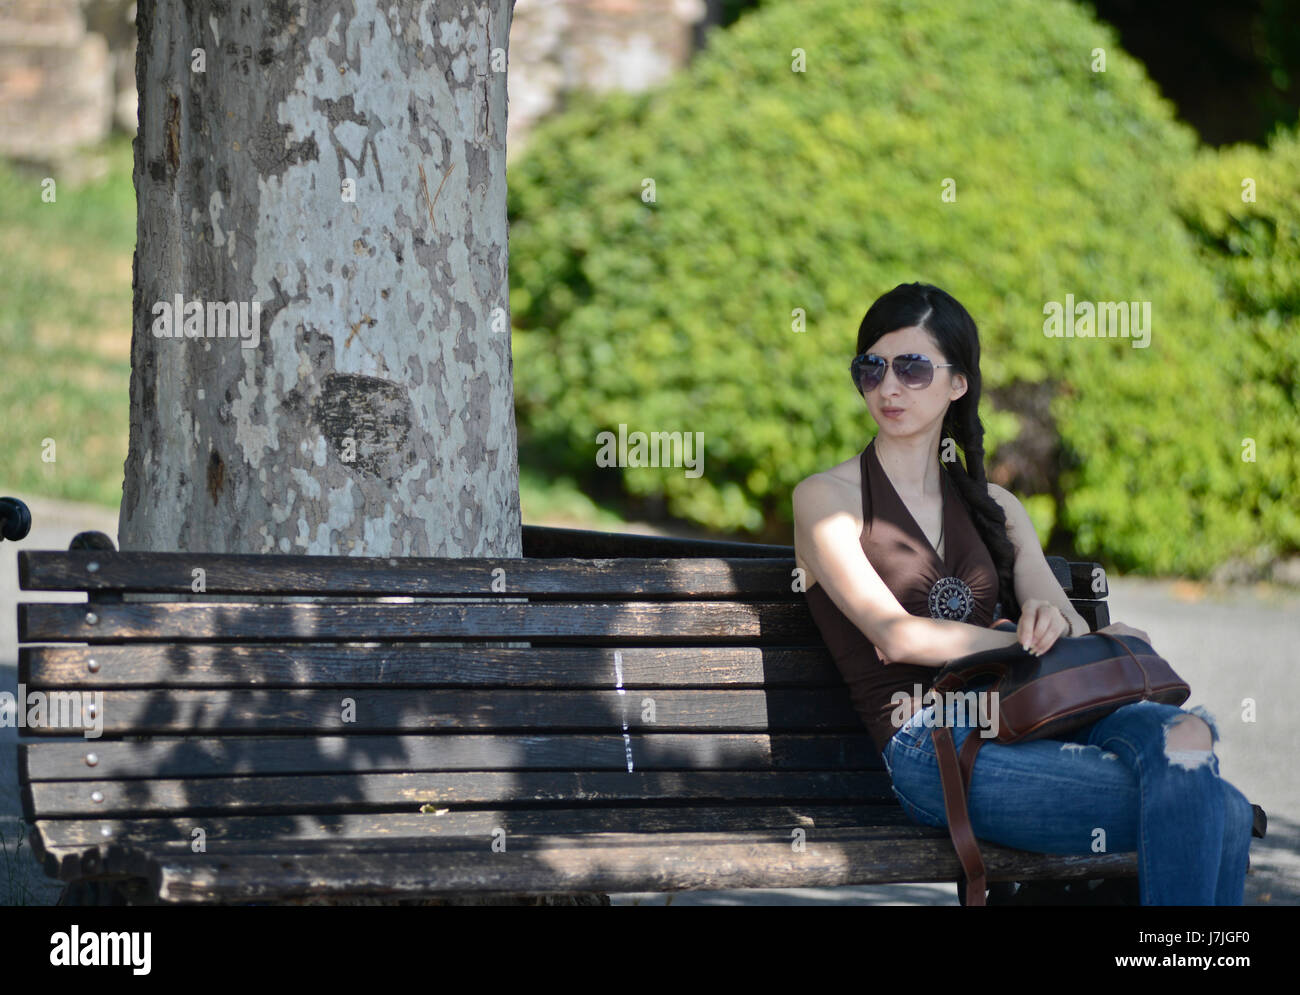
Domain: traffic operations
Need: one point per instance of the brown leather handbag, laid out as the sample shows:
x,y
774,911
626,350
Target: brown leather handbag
x,y
1077,681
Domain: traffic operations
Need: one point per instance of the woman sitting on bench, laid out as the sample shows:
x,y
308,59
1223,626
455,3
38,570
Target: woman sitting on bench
x,y
910,557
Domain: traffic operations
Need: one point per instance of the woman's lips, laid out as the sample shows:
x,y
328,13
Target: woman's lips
x,y
891,412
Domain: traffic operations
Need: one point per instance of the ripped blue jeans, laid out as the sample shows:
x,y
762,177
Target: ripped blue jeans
x,y
1111,786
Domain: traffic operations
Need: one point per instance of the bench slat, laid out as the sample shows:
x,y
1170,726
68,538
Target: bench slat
x,y
725,575
70,849
128,859
360,792
428,842
1095,613
229,573
271,830
421,664
60,761
662,862
373,710
1084,580
133,860
584,622
653,623
541,541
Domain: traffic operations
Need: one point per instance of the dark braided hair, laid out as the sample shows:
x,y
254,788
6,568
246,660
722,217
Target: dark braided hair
x,y
953,329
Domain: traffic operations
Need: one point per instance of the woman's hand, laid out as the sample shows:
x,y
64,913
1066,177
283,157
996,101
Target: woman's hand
x,y
1120,629
1041,624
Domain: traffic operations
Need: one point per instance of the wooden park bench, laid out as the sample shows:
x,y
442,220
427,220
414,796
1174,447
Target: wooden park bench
x,y
607,714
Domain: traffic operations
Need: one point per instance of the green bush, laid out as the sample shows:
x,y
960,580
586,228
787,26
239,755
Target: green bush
x,y
1243,205
780,192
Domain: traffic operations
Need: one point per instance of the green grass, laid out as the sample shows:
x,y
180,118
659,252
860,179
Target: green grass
x,y
557,501
65,329
65,338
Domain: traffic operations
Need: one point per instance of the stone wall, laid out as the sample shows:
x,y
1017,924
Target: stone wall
x,y
56,79
561,45
67,67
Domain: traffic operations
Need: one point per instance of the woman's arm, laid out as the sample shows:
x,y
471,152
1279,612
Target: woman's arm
x,y
826,536
1033,577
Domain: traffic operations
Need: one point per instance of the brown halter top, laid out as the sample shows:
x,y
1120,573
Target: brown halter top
x,y
962,586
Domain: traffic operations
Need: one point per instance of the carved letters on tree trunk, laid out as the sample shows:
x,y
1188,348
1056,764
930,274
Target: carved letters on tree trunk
x,y
337,170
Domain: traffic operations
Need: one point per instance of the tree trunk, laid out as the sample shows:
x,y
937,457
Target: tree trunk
x,y
338,167
321,344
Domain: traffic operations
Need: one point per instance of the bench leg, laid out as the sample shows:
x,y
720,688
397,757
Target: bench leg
x,y
107,891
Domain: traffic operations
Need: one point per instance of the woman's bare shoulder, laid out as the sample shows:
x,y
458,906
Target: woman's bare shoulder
x,y
836,490
833,485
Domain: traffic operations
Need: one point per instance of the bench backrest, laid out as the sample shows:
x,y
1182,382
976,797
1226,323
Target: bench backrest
x,y
545,692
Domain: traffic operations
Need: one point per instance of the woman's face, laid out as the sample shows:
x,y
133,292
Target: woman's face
x,y
900,410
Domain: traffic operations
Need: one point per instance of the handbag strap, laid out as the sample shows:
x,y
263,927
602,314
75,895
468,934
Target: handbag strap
x,y
955,772
954,780
1146,678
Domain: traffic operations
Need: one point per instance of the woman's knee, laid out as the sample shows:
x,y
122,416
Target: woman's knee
x,y
1190,732
1188,735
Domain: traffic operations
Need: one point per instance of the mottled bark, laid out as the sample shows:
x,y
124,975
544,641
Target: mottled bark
x,y
339,165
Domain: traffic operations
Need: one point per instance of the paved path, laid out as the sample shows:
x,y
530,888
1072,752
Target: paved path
x,y
1235,648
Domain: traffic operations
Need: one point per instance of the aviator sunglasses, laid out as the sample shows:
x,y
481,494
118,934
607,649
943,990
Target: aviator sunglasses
x,y
912,369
